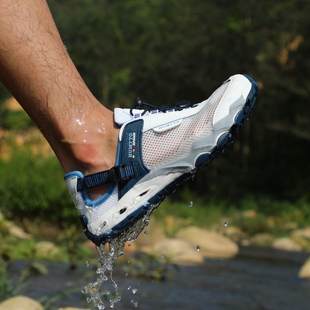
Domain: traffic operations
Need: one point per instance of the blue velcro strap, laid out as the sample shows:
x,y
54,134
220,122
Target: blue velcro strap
x,y
115,174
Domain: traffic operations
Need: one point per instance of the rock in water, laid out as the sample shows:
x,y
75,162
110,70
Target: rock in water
x,y
20,302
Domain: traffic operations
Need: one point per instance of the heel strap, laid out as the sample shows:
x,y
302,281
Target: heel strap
x,y
115,174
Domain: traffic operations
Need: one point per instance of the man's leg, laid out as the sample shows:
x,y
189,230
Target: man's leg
x,y
36,68
157,151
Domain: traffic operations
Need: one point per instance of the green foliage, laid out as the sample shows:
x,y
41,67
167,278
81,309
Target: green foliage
x,y
152,266
12,286
165,51
15,120
4,94
191,209
253,225
298,211
71,240
32,186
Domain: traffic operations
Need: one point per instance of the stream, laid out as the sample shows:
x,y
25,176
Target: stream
x,y
257,278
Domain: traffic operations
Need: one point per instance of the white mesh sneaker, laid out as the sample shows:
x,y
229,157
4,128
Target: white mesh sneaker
x,y
159,148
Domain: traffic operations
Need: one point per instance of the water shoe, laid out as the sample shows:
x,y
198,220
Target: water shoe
x,y
158,149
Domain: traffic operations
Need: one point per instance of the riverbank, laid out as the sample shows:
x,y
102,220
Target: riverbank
x,y
256,278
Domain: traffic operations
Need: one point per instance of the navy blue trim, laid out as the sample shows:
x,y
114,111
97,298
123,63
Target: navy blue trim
x,y
130,154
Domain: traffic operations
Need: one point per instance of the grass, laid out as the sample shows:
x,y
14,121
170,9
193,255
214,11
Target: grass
x,y
252,215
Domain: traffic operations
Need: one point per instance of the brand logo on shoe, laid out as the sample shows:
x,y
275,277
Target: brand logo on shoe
x,y
168,126
132,145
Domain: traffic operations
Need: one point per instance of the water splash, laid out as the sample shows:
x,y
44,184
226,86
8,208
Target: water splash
x,y
108,253
134,303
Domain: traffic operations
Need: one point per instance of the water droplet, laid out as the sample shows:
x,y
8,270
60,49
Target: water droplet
x,y
146,233
100,306
87,263
226,224
108,253
190,204
134,303
198,248
99,271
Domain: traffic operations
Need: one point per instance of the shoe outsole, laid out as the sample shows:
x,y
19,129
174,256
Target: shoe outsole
x,y
223,141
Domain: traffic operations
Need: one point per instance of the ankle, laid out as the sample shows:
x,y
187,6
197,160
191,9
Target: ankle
x,y
90,144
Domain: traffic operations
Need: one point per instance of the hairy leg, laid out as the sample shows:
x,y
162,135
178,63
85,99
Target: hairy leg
x,y
36,68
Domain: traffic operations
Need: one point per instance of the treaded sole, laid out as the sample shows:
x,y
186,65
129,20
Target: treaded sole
x,y
203,160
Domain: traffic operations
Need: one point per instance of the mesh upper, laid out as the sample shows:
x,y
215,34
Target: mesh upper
x,y
163,147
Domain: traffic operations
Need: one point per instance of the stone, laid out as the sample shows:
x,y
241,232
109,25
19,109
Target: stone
x,y
20,302
150,235
262,239
286,244
212,244
46,248
232,231
305,233
249,213
304,271
178,251
17,231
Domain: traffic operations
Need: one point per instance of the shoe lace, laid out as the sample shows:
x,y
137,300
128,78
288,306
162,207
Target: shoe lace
x,y
147,107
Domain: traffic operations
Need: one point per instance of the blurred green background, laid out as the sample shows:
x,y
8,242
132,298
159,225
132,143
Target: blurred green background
x,y
165,51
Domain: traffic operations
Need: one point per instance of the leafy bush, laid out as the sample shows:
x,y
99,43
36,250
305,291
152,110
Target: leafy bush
x,y
253,225
32,186
288,211
15,120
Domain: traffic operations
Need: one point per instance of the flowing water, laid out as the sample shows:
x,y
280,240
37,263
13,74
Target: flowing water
x,y
256,279
108,253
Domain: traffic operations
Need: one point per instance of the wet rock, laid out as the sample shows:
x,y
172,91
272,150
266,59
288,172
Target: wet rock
x,y
18,232
13,229
249,213
286,244
305,233
212,245
179,251
149,236
262,239
232,232
304,271
20,302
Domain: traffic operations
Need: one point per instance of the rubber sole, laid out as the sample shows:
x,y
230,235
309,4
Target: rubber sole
x,y
223,141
